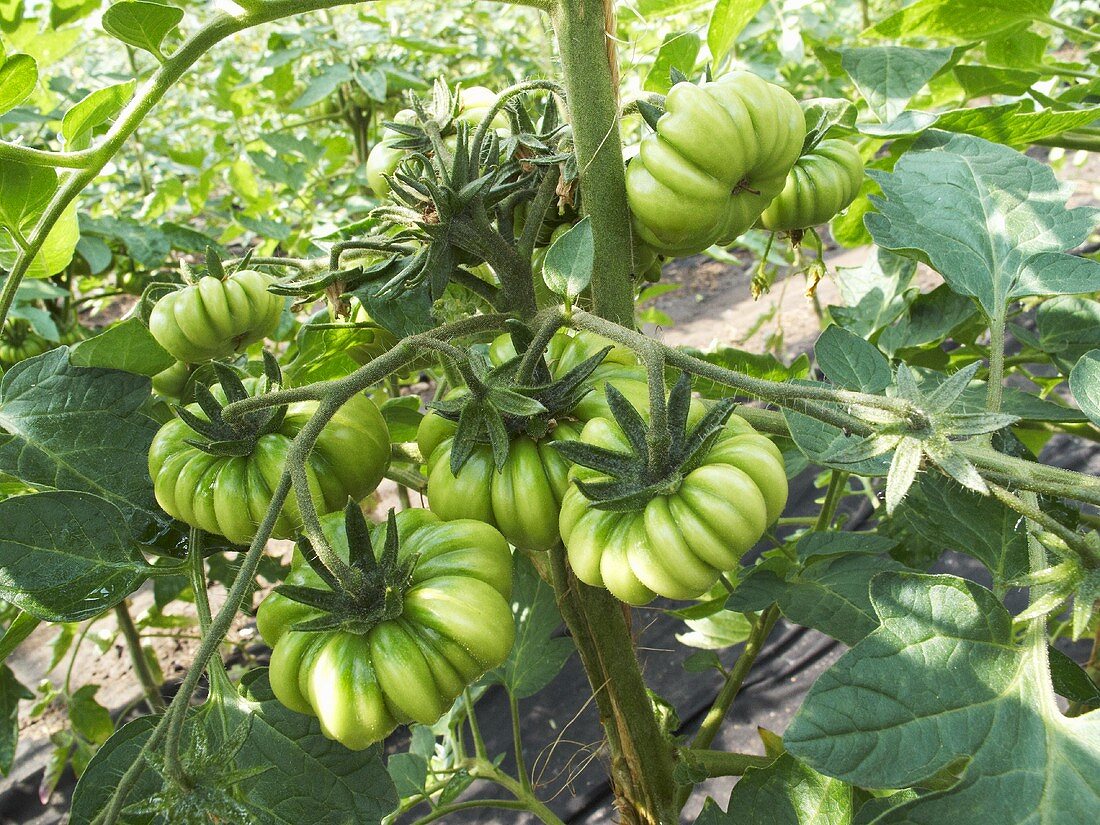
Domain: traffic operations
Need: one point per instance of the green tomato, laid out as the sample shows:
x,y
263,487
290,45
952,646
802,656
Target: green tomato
x,y
522,500
456,624
215,318
229,495
171,382
19,341
720,154
680,542
822,183
383,158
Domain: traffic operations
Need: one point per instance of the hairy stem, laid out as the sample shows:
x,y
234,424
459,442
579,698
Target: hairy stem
x,y
723,763
591,85
144,674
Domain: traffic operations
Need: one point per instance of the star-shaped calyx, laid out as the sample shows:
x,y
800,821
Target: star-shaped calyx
x,y
375,592
500,403
237,437
657,462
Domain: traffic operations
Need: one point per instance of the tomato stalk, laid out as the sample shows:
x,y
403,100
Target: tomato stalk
x,y
149,685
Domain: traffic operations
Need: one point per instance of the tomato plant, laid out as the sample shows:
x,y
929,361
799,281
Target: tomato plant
x,y
272,271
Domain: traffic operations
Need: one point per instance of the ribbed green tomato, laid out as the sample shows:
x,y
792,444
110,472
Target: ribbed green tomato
x,y
228,495
522,500
822,183
214,318
455,624
680,542
720,154
18,342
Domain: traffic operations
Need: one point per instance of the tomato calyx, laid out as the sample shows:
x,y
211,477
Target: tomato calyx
x,y
501,403
376,591
635,478
239,437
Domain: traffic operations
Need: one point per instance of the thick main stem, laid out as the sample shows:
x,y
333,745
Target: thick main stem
x,y
591,87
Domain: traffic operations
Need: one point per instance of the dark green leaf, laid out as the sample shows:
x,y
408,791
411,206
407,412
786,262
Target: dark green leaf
x,y
940,681
1071,680
851,362
66,556
11,692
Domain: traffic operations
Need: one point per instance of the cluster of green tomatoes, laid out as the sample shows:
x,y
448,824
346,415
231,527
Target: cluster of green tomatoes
x,y
725,156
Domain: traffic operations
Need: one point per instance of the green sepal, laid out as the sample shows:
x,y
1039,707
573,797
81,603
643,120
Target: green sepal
x,y
214,263
305,547
314,597
360,550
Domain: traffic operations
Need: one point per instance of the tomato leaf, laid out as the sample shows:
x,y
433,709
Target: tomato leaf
x,y
1084,383
127,346
996,713
94,110
18,77
142,23
71,428
851,362
11,692
829,593
889,76
727,21
538,653
66,556
960,21
567,269
678,51
976,238
785,792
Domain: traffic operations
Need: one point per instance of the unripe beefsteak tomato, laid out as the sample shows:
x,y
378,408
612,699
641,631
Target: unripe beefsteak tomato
x,y
229,494
455,624
680,542
214,318
822,183
721,153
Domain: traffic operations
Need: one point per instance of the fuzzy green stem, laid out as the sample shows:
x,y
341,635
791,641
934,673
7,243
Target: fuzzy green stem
x,y
536,212
517,743
407,479
584,29
995,381
723,763
1069,28
1028,506
551,323
219,679
838,479
144,674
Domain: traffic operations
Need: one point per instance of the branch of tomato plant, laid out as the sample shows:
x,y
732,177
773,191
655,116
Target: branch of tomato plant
x,y
144,674
196,563
407,478
785,394
332,395
712,722
1028,507
724,763
536,212
502,100
88,163
1031,475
